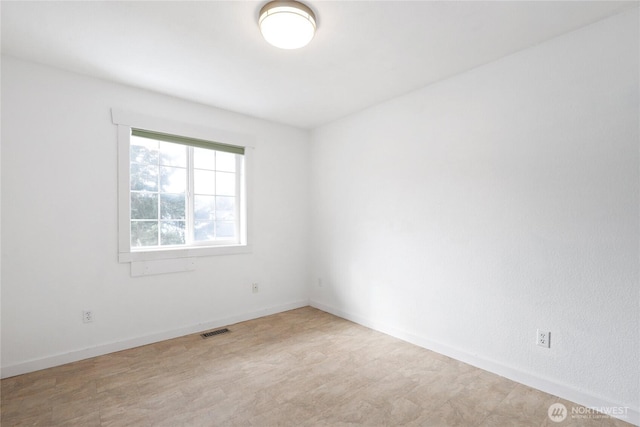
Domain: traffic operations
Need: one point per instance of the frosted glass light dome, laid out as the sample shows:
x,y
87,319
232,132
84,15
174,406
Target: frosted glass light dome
x,y
287,24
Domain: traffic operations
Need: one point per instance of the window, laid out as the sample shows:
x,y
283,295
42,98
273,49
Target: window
x,y
179,196
184,192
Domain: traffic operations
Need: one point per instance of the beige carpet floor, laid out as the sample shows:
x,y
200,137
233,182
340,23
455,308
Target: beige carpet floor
x,y
299,368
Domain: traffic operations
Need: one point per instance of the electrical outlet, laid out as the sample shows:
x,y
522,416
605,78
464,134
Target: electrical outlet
x,y
319,282
254,288
87,316
543,338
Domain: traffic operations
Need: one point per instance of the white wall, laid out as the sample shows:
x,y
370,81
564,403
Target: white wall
x,y
467,214
59,224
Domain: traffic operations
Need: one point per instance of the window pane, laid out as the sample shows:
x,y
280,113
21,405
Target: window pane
x,y
172,233
144,177
225,184
225,161
204,207
226,230
144,233
204,159
143,150
204,182
172,206
226,208
173,180
164,177
173,154
203,230
144,206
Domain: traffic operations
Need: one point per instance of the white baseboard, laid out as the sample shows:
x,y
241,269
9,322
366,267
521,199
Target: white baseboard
x,y
102,349
527,378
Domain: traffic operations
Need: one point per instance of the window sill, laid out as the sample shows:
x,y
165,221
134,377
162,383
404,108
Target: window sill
x,y
168,254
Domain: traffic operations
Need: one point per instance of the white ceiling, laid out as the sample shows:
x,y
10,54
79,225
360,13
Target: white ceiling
x,y
212,52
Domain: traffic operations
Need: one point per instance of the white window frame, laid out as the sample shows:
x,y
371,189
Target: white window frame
x,y
125,121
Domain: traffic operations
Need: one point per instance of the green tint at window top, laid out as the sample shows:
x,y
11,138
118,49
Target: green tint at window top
x,y
183,140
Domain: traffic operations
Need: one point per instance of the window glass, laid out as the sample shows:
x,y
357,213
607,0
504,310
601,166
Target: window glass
x,y
182,195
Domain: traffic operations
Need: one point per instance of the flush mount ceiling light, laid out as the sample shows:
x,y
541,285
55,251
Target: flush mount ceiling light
x,y
287,24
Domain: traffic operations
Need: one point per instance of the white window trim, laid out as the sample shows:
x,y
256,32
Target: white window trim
x,y
125,120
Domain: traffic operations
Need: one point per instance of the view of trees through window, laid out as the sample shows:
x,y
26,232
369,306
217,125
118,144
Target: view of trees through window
x,y
181,195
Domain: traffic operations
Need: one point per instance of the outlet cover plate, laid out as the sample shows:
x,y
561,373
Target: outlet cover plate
x,y
543,338
87,316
